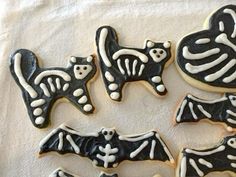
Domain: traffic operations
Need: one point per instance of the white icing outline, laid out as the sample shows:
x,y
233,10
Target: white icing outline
x,y
101,47
219,149
140,55
23,82
203,41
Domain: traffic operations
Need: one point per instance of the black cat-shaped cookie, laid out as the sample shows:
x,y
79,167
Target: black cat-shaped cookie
x,y
42,87
122,64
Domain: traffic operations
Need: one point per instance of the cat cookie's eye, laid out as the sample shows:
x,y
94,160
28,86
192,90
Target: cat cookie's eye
x,y
85,68
78,68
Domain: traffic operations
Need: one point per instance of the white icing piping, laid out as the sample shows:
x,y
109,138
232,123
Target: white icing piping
x,y
194,165
191,56
165,149
58,83
141,69
207,114
233,165
231,112
120,67
43,74
206,163
199,68
219,149
178,118
233,14
221,26
51,85
232,121
183,167
140,55
65,87
139,137
206,101
152,151
231,157
109,77
45,89
71,141
134,67
24,84
37,103
107,158
202,41
221,72
230,78
60,144
127,66
223,39
190,105
101,45
139,149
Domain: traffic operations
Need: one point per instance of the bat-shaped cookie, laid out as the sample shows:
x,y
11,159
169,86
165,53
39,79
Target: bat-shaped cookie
x,y
223,110
206,59
107,148
120,64
62,173
41,87
198,163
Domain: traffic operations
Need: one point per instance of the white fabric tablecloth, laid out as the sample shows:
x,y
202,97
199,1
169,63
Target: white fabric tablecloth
x,y
55,30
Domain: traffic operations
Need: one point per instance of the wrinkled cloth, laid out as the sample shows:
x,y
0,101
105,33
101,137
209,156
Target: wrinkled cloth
x,y
56,30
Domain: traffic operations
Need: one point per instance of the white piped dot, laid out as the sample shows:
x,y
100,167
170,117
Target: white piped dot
x,y
113,87
89,59
166,44
150,44
73,59
88,107
109,77
39,120
115,95
37,111
156,79
160,88
83,100
78,92
61,174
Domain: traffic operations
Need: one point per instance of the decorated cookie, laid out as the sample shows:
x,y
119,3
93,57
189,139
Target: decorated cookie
x,y
42,87
206,59
198,163
223,110
107,148
62,173
121,64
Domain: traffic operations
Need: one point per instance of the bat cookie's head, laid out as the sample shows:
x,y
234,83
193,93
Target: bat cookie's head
x,y
108,133
158,51
232,142
232,99
82,67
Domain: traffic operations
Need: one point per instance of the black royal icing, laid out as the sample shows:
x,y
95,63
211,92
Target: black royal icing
x,y
42,87
198,163
208,56
106,148
222,110
122,64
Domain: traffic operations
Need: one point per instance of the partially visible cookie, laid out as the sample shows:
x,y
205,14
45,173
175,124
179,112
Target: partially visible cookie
x,y
107,148
206,59
198,163
120,65
62,173
41,87
222,110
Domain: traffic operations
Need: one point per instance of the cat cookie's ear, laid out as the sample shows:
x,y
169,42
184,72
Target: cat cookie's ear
x,y
90,58
149,43
72,59
167,44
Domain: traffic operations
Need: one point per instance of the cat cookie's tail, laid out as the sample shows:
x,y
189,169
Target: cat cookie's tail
x,y
106,39
23,64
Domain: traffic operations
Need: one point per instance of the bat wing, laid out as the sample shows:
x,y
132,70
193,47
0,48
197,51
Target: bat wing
x,y
148,146
199,163
66,140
